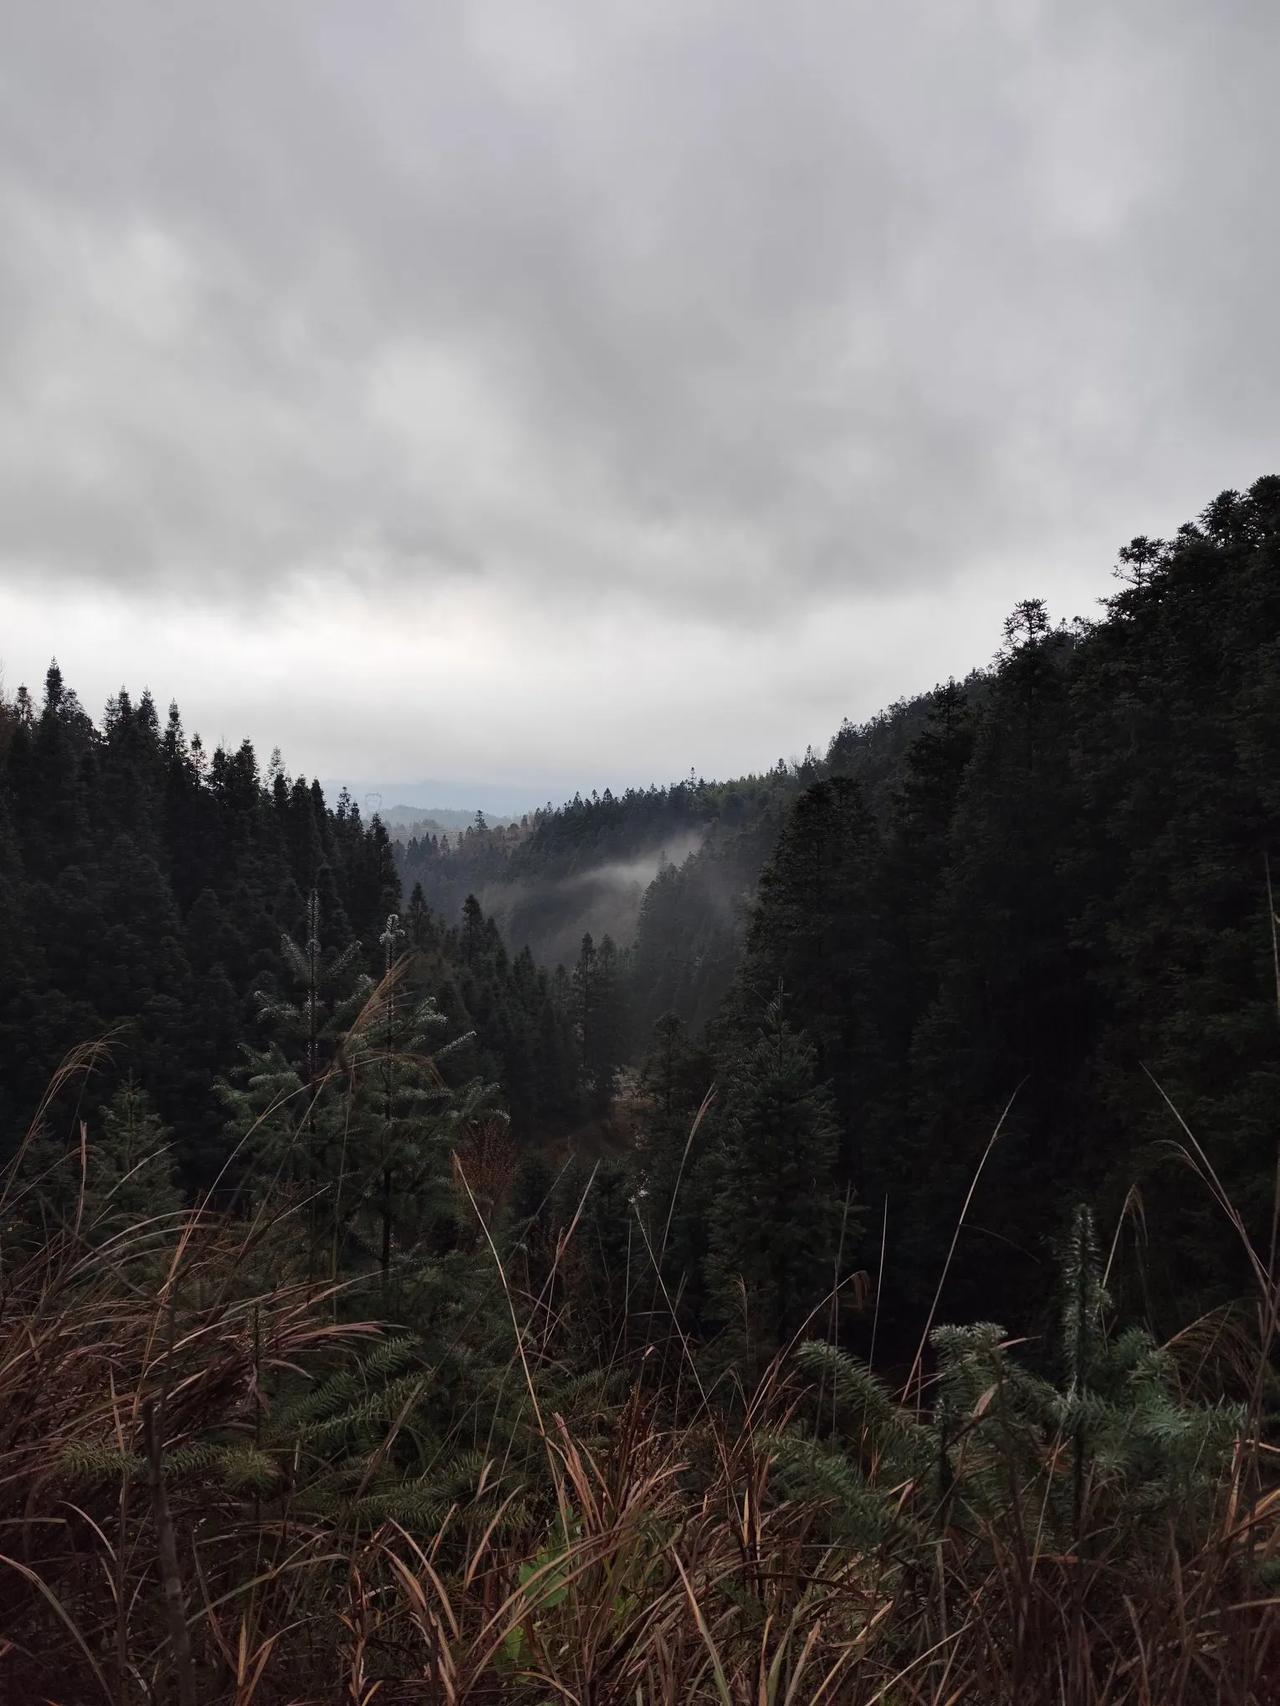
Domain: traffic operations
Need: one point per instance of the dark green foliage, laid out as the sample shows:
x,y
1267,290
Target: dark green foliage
x,y
521,1025
984,1456
531,1220
775,1216
1050,889
353,1104
675,1176
814,935
1061,899
599,1019
112,1178
146,886
289,1107
610,1272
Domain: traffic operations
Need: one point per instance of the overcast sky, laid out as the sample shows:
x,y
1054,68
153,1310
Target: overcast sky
x,y
556,393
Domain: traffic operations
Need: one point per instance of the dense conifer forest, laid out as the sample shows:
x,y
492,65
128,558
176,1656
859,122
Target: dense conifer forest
x,y
563,1259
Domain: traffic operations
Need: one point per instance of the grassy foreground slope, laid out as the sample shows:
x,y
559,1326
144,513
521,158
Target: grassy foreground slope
x,y
222,1481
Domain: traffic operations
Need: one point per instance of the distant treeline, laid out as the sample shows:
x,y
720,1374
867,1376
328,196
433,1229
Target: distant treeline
x,y
667,871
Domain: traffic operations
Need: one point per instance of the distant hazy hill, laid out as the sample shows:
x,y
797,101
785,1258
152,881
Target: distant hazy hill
x,y
437,820
499,801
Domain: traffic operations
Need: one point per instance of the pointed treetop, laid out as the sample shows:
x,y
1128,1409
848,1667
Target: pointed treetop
x,y
52,687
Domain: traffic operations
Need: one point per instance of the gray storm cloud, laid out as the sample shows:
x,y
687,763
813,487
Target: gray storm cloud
x,y
611,386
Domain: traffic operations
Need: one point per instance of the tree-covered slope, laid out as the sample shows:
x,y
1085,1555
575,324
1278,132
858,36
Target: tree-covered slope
x,y
1068,905
151,893
1046,893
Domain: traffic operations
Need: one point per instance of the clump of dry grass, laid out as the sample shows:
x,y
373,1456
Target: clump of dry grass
x,y
165,1535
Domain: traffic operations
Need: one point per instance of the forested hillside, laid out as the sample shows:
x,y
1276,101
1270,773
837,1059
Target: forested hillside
x,y
668,874
1055,898
1047,887
974,1017
1057,923
166,897
585,866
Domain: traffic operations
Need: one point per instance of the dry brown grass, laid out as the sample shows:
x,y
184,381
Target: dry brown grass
x,y
660,1564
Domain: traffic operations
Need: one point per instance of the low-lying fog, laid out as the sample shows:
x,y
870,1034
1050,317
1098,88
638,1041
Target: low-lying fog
x,y
604,900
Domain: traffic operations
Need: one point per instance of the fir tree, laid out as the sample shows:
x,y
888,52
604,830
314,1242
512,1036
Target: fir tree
x,y
290,1109
117,1176
815,934
775,1218
404,1119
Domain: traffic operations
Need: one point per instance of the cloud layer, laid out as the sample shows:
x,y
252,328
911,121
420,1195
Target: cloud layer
x,y
544,390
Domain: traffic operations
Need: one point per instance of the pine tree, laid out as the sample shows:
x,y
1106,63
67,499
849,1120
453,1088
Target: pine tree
x,y
473,937
584,1003
404,1119
132,1166
404,1123
1147,1462
119,1175
775,1217
606,1043
290,1110
815,935
1008,1007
